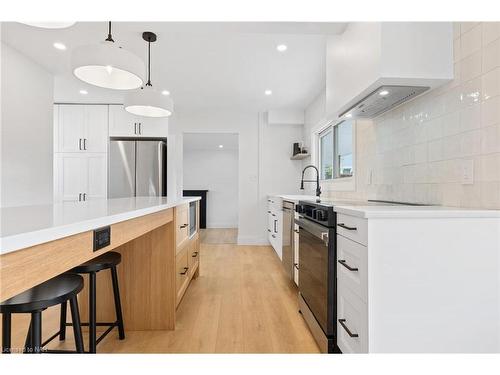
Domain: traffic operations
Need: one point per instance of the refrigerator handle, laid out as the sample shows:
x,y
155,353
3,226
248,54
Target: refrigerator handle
x,y
160,169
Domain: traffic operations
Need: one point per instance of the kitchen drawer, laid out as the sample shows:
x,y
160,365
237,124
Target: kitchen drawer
x,y
182,224
193,254
352,262
354,228
181,269
352,321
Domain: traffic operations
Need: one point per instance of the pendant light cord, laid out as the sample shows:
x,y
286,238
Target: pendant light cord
x,y
109,38
149,63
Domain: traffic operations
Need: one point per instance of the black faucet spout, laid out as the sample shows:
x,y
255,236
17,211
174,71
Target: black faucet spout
x,y
318,188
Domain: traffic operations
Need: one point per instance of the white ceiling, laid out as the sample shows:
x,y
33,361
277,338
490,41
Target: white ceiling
x,y
203,65
210,141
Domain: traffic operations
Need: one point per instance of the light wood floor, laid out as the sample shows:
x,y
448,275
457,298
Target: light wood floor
x,y
241,303
219,235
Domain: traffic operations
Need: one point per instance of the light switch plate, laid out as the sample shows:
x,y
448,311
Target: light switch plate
x,y
468,172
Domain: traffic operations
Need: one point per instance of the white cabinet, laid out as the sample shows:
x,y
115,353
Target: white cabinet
x,y
80,128
80,177
124,124
275,223
371,54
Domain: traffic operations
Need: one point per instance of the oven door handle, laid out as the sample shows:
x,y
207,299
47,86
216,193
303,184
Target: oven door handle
x,y
314,229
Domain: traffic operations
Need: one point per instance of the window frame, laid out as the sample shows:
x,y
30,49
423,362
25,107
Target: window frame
x,y
336,177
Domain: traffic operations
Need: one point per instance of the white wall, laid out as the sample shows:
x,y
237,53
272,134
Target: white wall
x,y
216,171
264,165
26,130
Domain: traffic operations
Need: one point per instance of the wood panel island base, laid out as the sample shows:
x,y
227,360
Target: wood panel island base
x,y
143,230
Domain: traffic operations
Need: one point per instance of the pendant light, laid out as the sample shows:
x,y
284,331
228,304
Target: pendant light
x,y
147,101
108,65
50,25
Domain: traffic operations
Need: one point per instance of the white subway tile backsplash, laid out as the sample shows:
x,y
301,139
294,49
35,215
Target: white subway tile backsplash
x,y
416,152
491,32
470,66
471,41
490,83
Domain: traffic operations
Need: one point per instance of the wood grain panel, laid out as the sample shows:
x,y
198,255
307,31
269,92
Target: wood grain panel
x,y
23,269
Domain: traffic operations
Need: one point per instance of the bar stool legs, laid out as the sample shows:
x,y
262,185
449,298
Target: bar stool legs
x,y
6,327
62,327
92,313
118,305
77,330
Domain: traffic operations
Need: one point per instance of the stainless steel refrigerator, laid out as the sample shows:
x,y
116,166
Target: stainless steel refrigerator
x,y
137,168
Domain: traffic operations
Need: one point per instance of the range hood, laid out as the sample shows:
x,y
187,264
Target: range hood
x,y
383,99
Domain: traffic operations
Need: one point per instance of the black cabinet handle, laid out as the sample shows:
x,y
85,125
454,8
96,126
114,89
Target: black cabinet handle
x,y
79,197
80,144
342,225
195,254
140,130
342,323
268,212
135,127
296,231
296,265
343,262
85,143
269,230
185,271
183,226
84,196
273,236
275,226
274,215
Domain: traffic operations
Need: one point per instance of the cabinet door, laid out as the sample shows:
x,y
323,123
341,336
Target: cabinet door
x,y
71,128
153,127
122,123
96,128
182,223
182,272
70,176
96,177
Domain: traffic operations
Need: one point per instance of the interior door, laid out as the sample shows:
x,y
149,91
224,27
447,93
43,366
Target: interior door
x,y
71,128
96,128
121,176
150,168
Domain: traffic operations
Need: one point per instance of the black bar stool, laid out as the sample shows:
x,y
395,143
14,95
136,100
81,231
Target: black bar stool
x,y
60,289
108,260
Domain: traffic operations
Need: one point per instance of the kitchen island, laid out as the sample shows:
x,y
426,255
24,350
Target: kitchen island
x,y
41,242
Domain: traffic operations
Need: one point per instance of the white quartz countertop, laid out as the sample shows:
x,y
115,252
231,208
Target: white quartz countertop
x,y
380,211
296,198
26,226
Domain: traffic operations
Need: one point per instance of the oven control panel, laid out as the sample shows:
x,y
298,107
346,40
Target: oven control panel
x,y
321,214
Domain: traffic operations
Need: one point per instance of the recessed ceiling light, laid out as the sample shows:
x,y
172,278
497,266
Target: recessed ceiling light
x,y
84,92
165,92
268,92
60,46
349,115
383,93
221,146
281,47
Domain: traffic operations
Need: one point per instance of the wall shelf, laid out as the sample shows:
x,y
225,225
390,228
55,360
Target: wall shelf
x,y
300,157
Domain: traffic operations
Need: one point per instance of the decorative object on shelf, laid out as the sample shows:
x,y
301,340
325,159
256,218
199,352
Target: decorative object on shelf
x,y
108,65
50,25
299,152
147,101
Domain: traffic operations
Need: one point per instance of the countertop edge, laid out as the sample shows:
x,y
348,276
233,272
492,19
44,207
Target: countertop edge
x,y
22,241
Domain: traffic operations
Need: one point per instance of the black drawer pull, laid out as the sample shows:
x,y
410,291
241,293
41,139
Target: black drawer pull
x,y
342,261
296,265
296,230
342,323
342,225
183,226
268,212
185,271
195,254
269,230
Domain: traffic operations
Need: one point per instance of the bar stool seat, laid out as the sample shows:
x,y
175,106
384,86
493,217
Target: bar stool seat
x,y
55,291
105,261
102,262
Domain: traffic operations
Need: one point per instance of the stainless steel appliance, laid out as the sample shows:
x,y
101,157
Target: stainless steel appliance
x,y
317,271
193,218
137,167
288,251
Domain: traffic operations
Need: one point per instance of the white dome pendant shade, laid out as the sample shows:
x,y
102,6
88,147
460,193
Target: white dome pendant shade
x,y
108,66
147,101
50,25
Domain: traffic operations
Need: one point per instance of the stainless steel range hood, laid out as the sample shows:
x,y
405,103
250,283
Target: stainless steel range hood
x,y
383,99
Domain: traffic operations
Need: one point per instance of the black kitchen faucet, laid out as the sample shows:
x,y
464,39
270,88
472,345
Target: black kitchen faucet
x,y
318,188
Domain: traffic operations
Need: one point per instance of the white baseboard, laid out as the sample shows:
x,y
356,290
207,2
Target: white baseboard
x,y
221,225
253,240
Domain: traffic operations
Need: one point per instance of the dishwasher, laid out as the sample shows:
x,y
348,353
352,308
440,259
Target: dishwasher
x,y
288,247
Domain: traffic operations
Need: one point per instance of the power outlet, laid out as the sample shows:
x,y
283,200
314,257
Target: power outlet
x,y
468,172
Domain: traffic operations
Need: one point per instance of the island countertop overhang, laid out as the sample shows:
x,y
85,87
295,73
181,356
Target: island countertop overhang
x,y
25,226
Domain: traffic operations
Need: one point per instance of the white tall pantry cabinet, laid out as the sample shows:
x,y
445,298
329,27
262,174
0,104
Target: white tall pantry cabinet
x,y
80,152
